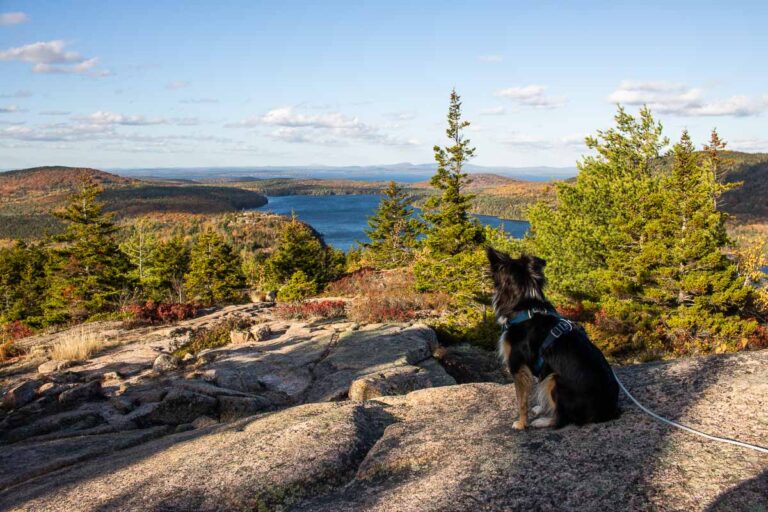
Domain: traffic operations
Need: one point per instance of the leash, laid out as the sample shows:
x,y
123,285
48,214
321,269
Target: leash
x,y
684,427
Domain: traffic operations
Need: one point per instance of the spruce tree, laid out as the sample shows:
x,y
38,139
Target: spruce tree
x,y
139,246
215,270
23,283
301,248
450,228
393,230
167,264
88,273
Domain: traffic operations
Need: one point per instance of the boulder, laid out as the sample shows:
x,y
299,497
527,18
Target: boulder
x,y
235,407
54,366
21,394
181,406
394,381
261,332
468,363
81,393
240,336
165,363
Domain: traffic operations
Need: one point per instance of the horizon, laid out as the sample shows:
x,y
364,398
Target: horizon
x,y
305,85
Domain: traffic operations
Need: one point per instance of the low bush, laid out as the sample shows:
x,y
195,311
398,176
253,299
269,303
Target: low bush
x,y
304,310
211,337
152,312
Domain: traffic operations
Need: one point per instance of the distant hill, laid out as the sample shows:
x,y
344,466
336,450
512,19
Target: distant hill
x,y
28,196
40,181
749,201
401,172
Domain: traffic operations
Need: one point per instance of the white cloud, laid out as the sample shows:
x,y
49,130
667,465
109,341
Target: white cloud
x,y
12,18
490,58
10,109
493,111
104,118
680,99
176,85
531,96
327,129
52,57
753,145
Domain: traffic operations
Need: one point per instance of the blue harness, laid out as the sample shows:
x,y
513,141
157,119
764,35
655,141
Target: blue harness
x,y
561,327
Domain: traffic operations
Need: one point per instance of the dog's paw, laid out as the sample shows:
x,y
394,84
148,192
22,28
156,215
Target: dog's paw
x,y
543,422
536,410
519,425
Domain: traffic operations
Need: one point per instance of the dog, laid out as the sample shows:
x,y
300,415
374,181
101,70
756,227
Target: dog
x,y
574,382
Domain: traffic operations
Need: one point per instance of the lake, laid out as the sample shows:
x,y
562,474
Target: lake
x,y
342,219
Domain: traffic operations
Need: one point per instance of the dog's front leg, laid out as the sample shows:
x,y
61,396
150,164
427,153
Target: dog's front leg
x,y
523,383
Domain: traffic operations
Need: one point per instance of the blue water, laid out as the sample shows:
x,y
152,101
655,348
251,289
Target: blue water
x,y
342,219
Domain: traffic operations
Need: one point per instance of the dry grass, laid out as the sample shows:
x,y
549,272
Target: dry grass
x,y
77,345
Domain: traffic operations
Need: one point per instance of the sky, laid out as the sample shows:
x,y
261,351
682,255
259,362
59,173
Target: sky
x,y
122,84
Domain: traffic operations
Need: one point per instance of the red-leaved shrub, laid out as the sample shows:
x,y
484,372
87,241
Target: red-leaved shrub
x,y
303,310
152,312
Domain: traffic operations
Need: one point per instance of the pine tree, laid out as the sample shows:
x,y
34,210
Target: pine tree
x,y
450,228
300,248
22,283
139,247
393,230
89,272
215,271
640,236
167,264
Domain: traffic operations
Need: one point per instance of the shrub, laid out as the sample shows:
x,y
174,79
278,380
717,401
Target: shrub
x,y
298,287
152,312
76,345
303,310
211,337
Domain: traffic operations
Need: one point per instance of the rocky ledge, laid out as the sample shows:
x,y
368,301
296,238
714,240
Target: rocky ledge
x,y
333,416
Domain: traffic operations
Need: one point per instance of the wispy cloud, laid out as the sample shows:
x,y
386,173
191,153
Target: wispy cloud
x,y
402,116
194,101
10,109
490,58
329,128
531,96
52,57
532,142
105,118
54,113
12,18
21,93
493,111
682,100
176,85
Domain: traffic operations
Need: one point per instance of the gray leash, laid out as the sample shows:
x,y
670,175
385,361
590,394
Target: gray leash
x,y
686,428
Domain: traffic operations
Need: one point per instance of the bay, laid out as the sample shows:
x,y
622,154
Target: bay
x,y
341,219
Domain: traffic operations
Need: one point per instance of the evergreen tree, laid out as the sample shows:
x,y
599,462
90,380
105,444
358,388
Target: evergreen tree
x,y
88,273
22,283
300,248
166,267
393,230
215,271
644,242
139,246
298,287
450,228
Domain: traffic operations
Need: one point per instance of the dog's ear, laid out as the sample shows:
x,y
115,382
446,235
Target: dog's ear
x,y
535,265
497,259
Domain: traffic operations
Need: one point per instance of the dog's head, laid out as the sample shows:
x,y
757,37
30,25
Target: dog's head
x,y
515,280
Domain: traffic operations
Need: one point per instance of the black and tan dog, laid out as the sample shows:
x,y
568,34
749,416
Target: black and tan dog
x,y
575,382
